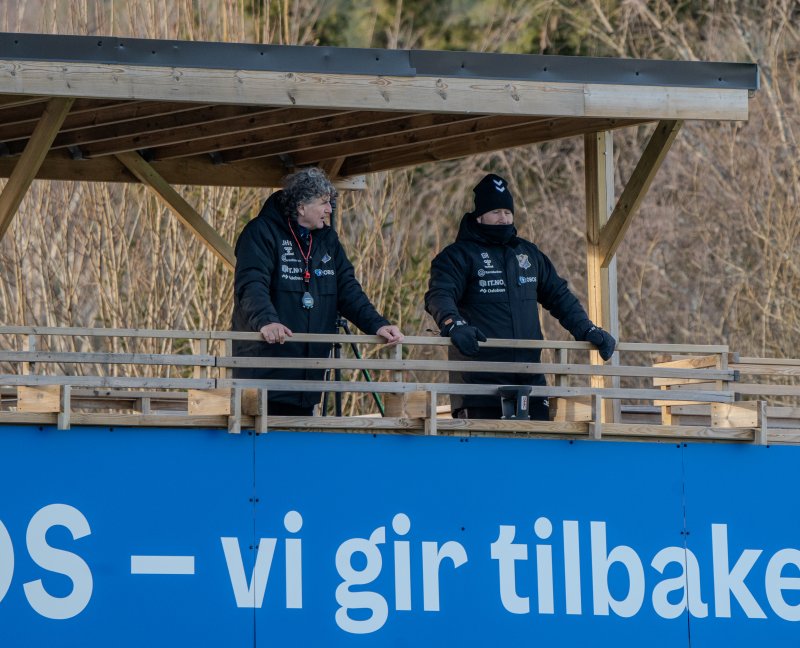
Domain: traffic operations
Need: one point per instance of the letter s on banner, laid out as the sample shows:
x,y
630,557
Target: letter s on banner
x,y
58,561
6,561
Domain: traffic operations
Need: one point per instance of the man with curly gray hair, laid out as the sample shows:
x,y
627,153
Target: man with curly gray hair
x,y
292,275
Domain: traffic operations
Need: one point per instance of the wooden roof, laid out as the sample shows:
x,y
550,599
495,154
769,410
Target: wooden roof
x,y
243,115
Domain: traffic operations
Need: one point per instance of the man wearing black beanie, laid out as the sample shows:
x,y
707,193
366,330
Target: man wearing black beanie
x,y
488,283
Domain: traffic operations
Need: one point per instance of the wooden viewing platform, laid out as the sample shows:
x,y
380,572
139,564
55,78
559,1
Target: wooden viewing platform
x,y
81,376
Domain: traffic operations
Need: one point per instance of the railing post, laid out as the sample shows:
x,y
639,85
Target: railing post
x,y
235,418
65,408
596,426
430,413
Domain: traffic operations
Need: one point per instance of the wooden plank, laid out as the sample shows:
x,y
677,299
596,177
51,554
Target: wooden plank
x,y
203,360
182,209
429,340
749,414
333,126
749,389
31,159
108,382
432,129
479,143
416,93
571,409
185,171
473,366
408,405
213,122
697,362
473,389
613,231
300,122
88,114
768,361
40,399
767,369
689,103
209,402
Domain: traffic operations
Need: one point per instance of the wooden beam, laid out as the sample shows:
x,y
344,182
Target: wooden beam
x,y
457,126
618,223
183,210
289,138
364,92
169,129
87,113
18,122
376,131
190,171
473,144
602,282
32,157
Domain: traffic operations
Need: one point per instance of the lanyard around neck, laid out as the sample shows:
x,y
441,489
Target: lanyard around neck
x,y
307,255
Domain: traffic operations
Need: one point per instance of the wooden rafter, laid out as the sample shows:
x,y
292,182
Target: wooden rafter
x,y
18,124
537,131
360,138
656,150
32,157
188,171
182,209
296,121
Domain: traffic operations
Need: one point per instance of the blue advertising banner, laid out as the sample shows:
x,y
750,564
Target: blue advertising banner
x,y
170,537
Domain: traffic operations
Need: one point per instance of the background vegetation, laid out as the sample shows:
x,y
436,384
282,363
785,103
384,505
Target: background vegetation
x,y
713,256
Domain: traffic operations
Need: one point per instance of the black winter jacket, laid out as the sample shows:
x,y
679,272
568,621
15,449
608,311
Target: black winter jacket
x,y
269,286
496,287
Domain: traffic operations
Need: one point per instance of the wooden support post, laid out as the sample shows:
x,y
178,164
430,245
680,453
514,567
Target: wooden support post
x,y
183,210
66,408
430,414
235,419
602,288
31,159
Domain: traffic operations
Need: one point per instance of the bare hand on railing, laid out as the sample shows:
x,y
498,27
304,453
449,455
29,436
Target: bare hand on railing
x,y
391,333
275,332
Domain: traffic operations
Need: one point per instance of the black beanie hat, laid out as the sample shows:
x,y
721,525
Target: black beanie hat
x,y
492,193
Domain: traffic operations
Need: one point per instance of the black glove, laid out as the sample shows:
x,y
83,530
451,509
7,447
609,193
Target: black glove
x,y
464,337
604,341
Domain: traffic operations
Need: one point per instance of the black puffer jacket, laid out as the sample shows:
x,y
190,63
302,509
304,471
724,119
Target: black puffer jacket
x,y
269,287
496,287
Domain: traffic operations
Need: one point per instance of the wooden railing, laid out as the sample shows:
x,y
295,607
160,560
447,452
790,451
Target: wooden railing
x,y
119,377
